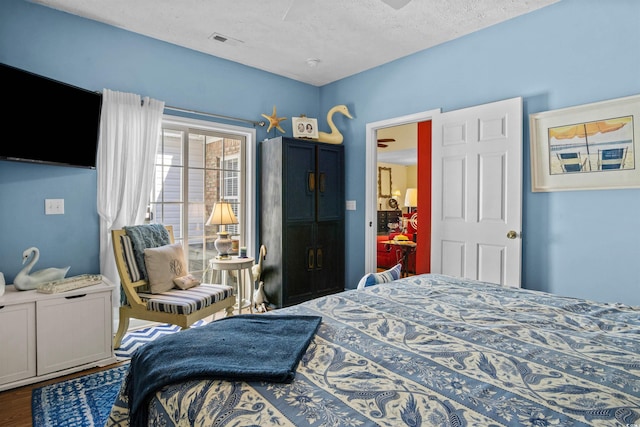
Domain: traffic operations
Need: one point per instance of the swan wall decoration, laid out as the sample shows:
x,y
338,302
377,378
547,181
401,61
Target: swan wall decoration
x,y
335,137
25,280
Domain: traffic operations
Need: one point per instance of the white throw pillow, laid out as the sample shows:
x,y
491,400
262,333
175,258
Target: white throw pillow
x,y
164,264
186,282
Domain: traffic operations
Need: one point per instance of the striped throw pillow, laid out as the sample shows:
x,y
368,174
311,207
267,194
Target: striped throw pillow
x,y
383,277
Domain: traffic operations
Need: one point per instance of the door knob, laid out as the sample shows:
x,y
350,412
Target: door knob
x,y
512,234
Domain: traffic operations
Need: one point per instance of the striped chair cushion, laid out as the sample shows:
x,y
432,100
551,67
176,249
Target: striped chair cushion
x,y
186,301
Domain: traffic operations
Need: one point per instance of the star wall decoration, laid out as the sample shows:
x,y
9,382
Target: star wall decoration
x,y
274,120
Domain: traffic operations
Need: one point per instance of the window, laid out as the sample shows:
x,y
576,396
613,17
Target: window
x,y
199,163
231,185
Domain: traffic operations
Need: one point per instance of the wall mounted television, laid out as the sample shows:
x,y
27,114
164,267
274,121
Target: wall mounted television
x,y
47,121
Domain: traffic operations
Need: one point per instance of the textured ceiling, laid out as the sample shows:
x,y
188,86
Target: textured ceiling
x,y
286,36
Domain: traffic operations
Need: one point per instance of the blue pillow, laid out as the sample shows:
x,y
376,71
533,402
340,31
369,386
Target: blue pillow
x,y
383,277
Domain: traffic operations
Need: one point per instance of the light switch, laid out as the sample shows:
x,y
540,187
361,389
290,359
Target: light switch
x,y
351,205
54,206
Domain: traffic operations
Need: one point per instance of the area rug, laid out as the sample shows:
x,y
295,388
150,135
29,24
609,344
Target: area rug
x,y
135,339
84,401
87,400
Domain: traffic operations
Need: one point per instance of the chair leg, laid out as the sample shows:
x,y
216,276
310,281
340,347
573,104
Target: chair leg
x,y
228,311
123,326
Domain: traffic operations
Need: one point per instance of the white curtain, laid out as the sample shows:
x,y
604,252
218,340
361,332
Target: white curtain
x,y
130,130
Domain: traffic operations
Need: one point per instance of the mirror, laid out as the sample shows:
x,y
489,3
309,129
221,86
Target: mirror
x,y
384,182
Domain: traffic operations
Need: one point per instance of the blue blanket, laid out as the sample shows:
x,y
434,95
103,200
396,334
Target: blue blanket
x,y
143,237
250,347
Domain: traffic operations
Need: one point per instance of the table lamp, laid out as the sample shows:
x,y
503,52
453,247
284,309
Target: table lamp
x,y
222,215
411,199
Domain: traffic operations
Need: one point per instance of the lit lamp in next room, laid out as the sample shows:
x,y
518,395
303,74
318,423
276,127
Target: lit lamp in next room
x,y
222,215
411,199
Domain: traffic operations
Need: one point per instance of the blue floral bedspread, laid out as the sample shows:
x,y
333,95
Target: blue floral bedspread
x,y
432,350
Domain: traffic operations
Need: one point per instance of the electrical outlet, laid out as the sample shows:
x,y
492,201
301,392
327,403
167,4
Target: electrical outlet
x,y
54,206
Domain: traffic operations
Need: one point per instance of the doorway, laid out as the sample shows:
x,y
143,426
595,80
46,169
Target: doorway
x,y
398,187
477,191
372,201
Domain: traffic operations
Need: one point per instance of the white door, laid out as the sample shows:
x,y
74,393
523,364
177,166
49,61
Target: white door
x,y
477,193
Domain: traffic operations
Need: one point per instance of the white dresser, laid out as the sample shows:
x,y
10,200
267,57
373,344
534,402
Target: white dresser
x,y
43,336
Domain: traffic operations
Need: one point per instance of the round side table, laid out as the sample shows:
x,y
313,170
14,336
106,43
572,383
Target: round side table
x,y
239,265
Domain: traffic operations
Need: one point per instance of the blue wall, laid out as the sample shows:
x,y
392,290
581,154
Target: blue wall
x,y
582,243
579,243
94,56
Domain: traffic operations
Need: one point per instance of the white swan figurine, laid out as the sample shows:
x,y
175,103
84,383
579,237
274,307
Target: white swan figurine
x,y
335,137
25,281
259,298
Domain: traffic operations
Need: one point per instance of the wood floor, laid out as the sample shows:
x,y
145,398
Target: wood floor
x,y
15,404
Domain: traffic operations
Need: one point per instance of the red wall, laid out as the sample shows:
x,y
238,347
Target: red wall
x,y
423,251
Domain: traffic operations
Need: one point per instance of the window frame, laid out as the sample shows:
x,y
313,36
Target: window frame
x,y
248,166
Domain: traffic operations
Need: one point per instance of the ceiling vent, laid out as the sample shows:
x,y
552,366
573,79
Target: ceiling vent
x,y
221,38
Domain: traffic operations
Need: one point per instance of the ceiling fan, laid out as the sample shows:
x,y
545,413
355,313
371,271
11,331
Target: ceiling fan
x,y
382,142
396,4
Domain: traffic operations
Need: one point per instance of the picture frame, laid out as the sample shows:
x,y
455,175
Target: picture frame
x,y
384,182
588,147
304,127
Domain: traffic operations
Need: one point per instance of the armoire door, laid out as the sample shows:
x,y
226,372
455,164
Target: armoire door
x,y
298,262
299,181
329,259
330,183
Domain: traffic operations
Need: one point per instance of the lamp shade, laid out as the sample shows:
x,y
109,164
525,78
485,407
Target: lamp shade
x,y
411,197
222,214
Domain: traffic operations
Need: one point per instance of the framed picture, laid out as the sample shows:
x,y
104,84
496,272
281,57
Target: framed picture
x,y
304,127
588,147
384,182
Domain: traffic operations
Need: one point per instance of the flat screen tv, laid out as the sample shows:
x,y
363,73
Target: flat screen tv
x,y
47,121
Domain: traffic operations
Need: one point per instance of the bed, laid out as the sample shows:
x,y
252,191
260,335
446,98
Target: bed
x,y
434,350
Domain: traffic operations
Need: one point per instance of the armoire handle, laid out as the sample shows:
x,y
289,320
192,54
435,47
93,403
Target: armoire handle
x,y
322,182
310,259
319,258
311,181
